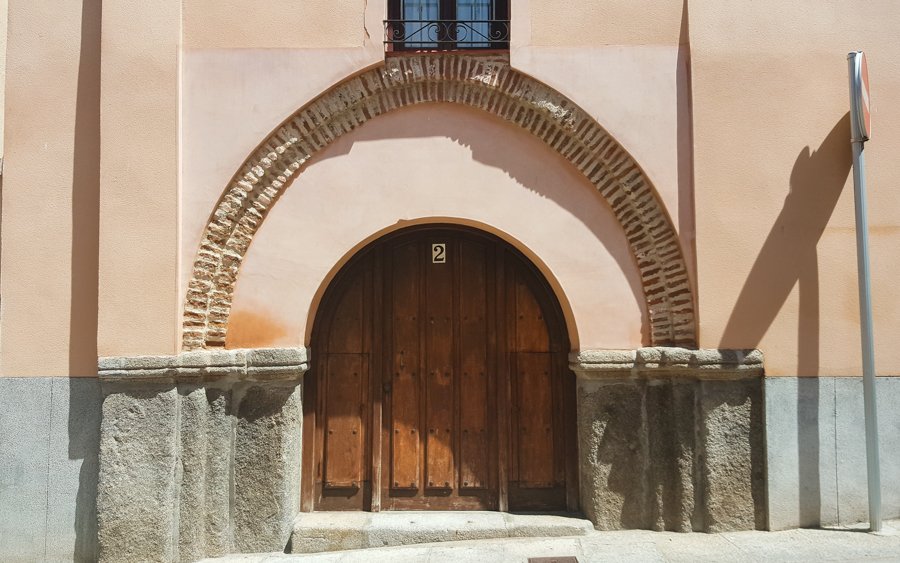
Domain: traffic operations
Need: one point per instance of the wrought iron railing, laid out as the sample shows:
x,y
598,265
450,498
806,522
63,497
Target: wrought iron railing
x,y
445,35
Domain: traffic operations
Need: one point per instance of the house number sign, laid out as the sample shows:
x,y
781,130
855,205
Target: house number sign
x,y
439,253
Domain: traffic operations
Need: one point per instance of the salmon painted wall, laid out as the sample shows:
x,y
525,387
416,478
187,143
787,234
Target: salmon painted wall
x,y
139,175
233,97
744,101
4,29
439,162
626,62
275,24
774,195
48,260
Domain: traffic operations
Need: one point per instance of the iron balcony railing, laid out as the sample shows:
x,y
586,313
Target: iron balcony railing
x,y
446,35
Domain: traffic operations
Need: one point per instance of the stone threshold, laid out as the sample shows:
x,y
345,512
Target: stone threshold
x,y
316,532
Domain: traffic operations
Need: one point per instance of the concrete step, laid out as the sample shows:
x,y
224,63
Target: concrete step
x,y
315,532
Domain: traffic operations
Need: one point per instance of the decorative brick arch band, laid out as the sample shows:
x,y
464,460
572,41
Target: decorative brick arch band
x,y
483,82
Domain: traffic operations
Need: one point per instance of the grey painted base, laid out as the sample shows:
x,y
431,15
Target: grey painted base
x,y
49,434
816,450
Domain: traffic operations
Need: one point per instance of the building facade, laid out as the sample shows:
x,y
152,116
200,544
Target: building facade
x,y
266,259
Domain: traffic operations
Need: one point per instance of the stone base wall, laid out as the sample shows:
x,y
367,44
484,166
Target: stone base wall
x,y
50,427
671,439
199,454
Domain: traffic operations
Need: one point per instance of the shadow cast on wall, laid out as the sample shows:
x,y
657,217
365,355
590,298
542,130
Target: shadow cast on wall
x,y
481,140
789,257
85,400
691,455
84,392
674,453
687,225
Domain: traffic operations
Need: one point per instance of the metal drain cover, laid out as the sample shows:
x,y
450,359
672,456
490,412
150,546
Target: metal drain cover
x,y
563,559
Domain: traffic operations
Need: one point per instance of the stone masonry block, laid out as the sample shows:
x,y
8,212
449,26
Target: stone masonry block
x,y
267,467
220,425
732,460
192,466
138,493
670,422
611,445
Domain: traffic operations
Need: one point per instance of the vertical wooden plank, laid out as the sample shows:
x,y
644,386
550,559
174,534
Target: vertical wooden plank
x,y
474,437
423,251
535,428
365,408
502,304
535,431
347,333
531,328
321,417
310,459
558,421
458,297
571,431
344,425
511,298
387,376
439,400
404,367
376,359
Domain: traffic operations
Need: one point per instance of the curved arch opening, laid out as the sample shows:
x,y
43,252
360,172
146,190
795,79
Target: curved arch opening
x,y
486,83
439,380
566,312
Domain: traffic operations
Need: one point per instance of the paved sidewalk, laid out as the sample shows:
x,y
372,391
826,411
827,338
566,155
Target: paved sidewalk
x,y
793,545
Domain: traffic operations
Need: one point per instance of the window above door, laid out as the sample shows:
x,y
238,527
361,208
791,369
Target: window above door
x,y
446,25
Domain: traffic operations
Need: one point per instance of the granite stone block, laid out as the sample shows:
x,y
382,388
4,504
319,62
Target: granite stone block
x,y
612,452
139,468
732,461
670,421
220,428
267,467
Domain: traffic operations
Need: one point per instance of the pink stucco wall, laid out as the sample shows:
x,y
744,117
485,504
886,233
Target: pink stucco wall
x,y
441,163
434,163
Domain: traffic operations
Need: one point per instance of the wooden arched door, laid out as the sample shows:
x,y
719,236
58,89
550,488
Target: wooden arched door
x,y
439,381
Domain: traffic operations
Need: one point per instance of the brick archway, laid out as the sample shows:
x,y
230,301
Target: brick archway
x,y
482,82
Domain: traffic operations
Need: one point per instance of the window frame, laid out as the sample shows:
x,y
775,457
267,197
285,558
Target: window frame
x,y
447,12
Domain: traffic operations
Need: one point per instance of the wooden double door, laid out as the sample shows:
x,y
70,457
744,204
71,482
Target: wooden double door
x,y
439,382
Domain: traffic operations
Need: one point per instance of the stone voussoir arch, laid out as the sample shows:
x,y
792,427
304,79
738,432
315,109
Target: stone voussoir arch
x,y
485,82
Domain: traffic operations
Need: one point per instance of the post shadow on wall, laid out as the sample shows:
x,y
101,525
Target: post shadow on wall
x,y
84,392
685,136
789,257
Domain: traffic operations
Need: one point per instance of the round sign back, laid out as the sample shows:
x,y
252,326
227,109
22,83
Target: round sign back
x,y
864,104
860,102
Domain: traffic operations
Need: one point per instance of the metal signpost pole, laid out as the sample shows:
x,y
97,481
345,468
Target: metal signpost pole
x,y
860,124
